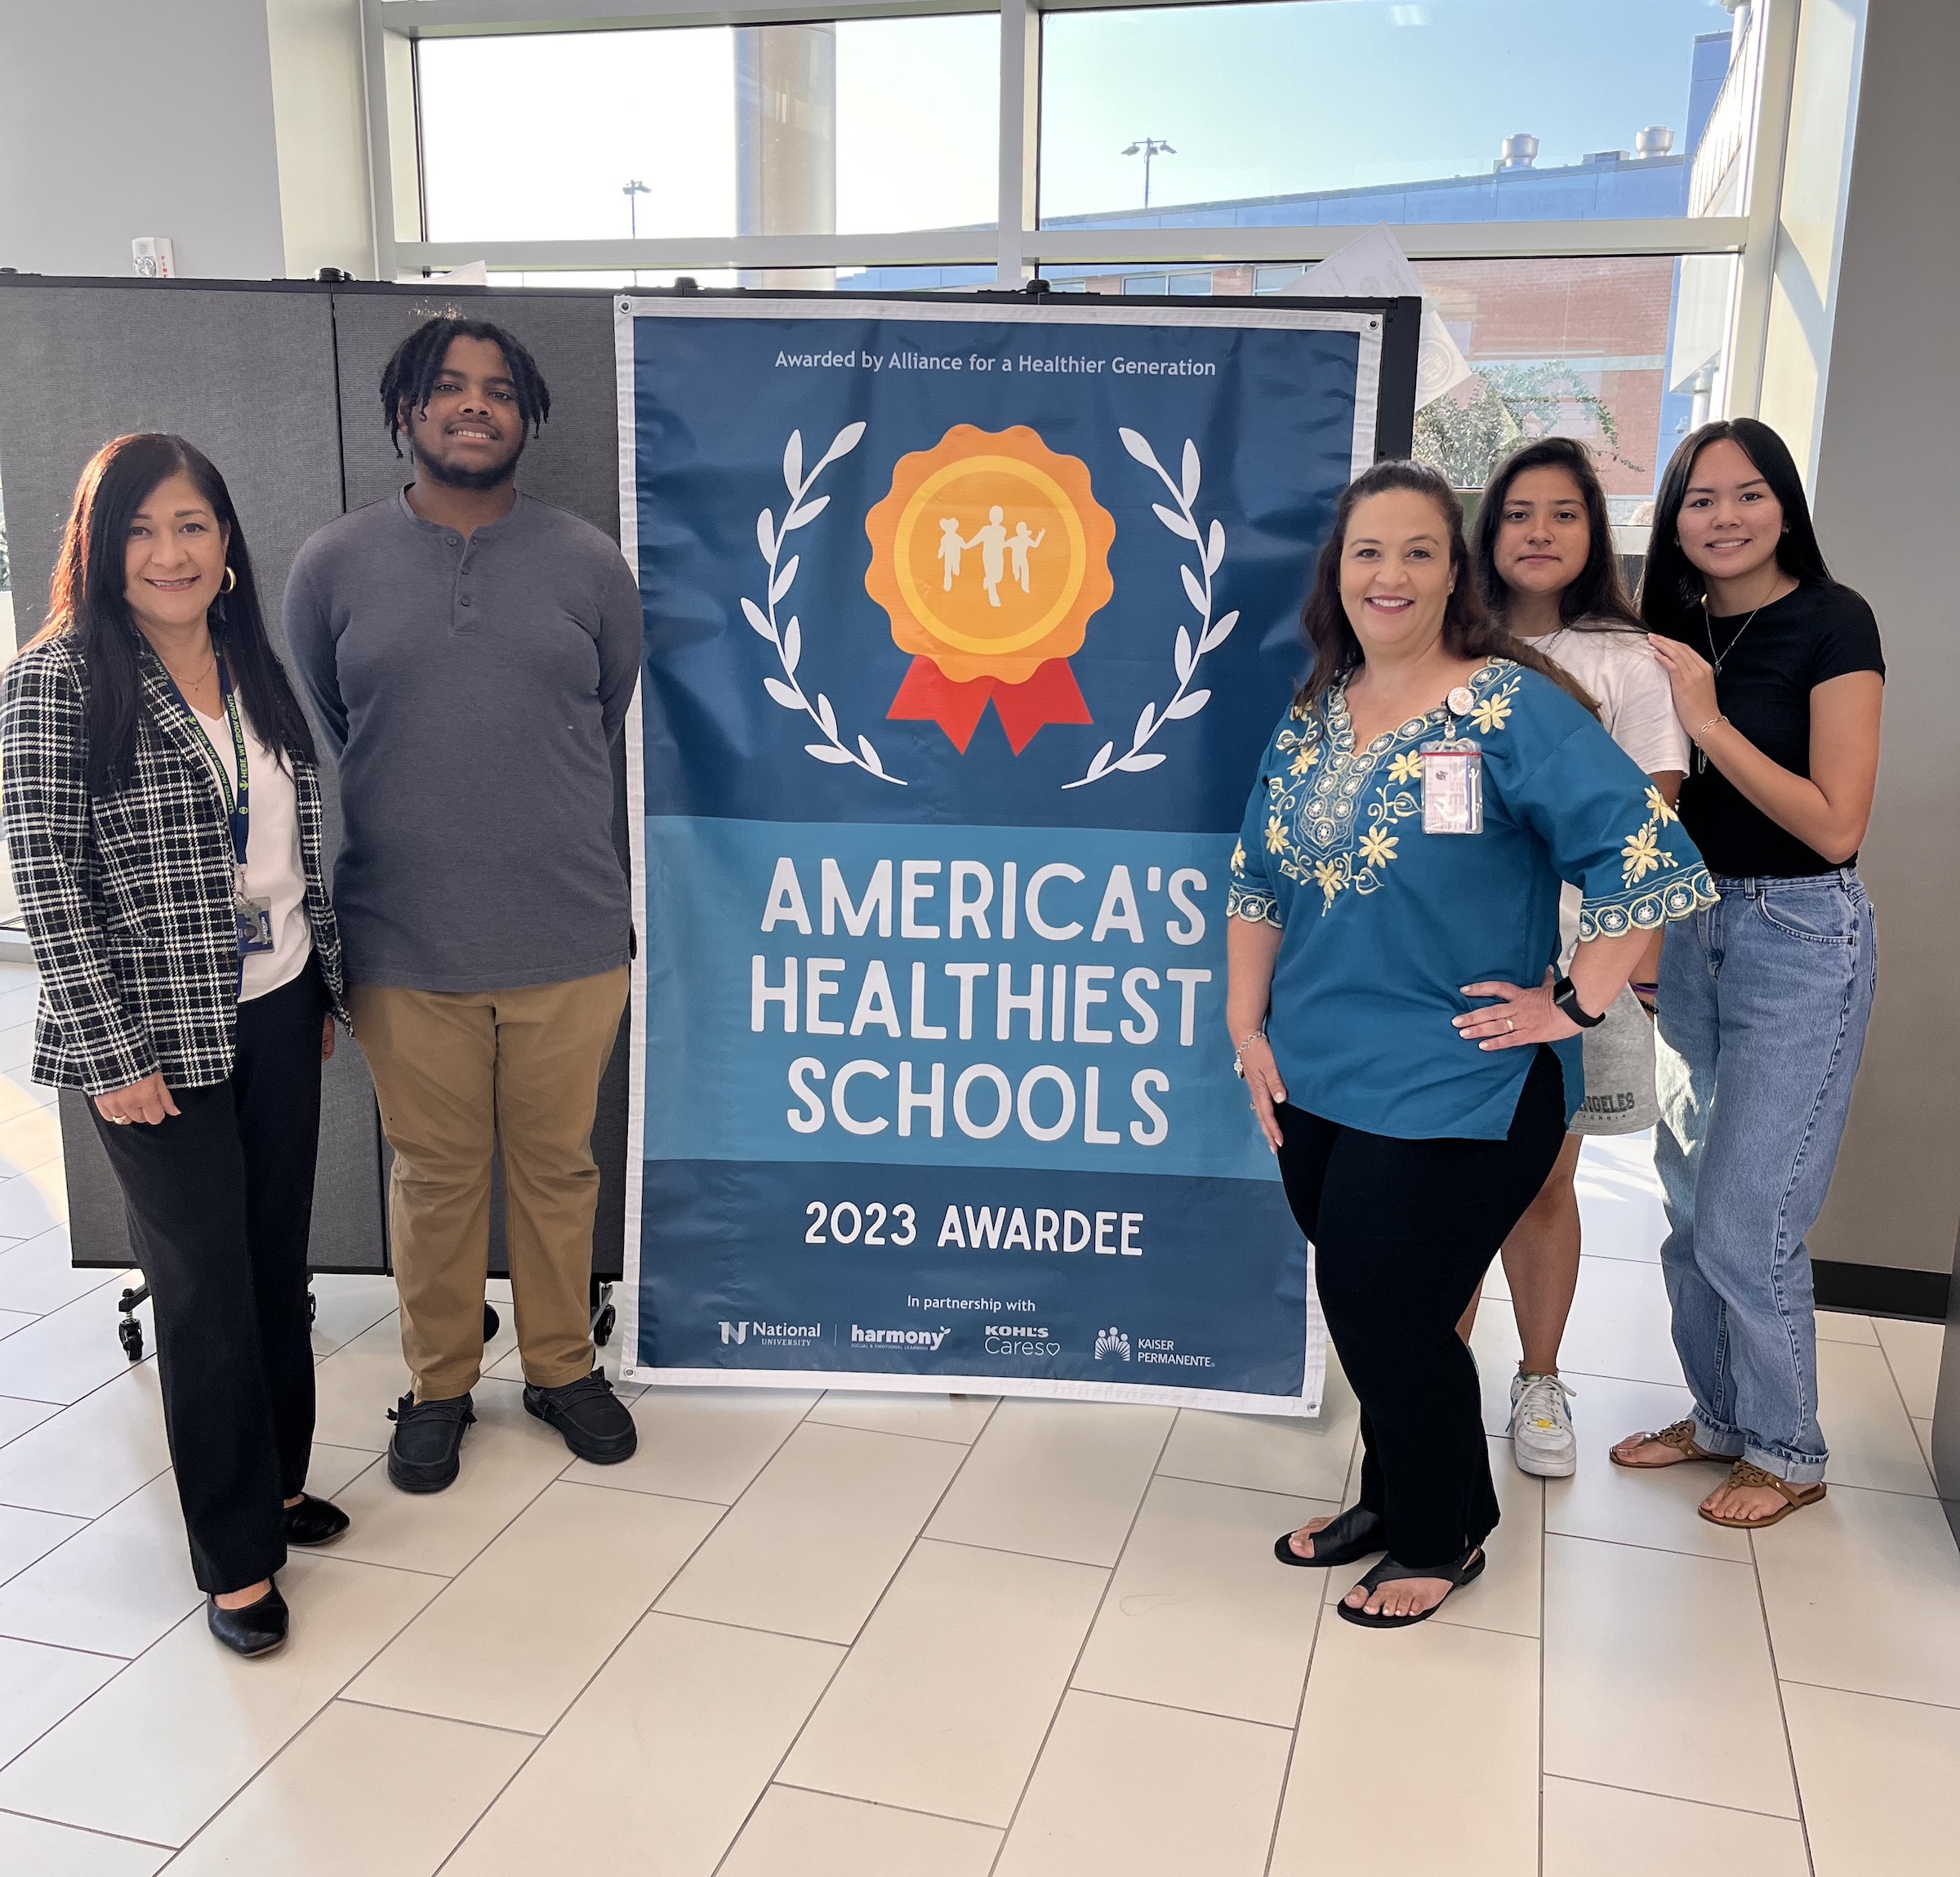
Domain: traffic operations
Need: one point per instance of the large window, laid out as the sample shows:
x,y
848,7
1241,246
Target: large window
x,y
1580,184
1359,111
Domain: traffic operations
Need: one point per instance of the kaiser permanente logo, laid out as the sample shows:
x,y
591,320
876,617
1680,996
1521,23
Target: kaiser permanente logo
x,y
1111,1342
900,1339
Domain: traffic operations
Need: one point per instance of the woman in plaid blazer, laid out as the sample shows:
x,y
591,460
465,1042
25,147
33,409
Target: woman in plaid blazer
x,y
162,808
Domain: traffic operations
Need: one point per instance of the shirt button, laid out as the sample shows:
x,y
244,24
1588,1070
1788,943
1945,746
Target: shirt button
x,y
464,601
456,540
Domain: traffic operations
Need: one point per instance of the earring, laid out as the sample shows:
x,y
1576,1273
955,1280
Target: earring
x,y
230,581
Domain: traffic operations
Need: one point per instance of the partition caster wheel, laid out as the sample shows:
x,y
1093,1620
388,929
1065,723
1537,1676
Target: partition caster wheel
x,y
603,1326
129,1333
492,1323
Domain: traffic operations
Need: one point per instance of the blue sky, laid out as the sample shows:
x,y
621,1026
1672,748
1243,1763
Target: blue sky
x,y
1259,99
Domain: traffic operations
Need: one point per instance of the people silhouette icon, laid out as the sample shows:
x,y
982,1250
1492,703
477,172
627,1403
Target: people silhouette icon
x,y
950,546
1017,547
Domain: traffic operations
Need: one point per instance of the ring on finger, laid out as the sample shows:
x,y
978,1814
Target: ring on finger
x,y
1509,1026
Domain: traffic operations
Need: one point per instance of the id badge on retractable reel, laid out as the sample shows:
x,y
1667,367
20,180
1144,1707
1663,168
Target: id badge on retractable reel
x,y
1452,779
254,918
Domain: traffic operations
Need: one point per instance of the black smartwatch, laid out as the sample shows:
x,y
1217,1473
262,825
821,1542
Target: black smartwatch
x,y
1565,997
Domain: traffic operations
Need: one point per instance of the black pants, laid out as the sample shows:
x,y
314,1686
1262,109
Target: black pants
x,y
220,1201
1403,1232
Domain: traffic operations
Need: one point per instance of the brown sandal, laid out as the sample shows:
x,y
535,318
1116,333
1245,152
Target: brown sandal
x,y
1681,1437
1795,1498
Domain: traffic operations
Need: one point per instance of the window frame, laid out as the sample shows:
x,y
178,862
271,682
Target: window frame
x,y
391,30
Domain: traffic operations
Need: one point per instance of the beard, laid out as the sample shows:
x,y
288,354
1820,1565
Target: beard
x,y
450,476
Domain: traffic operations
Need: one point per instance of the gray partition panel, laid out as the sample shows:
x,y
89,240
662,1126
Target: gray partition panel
x,y
249,377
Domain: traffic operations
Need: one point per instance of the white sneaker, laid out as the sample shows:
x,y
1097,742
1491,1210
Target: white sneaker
x,y
1542,1441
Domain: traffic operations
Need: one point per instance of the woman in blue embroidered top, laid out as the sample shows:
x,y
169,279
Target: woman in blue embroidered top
x,y
1391,941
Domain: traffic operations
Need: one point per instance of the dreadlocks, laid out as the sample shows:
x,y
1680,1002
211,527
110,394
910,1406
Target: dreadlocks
x,y
409,376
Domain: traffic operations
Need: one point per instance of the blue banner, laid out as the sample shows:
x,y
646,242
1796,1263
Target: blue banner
x,y
965,626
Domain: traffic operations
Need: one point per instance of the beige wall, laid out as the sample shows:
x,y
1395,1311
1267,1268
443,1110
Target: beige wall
x,y
1885,490
319,116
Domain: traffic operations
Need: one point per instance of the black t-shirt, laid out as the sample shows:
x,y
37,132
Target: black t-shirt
x,y
1788,648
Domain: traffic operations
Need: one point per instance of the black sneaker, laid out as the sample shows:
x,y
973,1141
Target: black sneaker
x,y
592,1419
424,1456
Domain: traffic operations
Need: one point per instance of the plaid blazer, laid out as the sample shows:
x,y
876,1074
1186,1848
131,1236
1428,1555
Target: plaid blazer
x,y
128,898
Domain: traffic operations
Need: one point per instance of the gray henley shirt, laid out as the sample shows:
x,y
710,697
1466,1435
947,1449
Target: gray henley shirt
x,y
470,690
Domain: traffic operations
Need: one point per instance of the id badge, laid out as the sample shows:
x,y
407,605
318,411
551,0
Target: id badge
x,y
1452,788
255,924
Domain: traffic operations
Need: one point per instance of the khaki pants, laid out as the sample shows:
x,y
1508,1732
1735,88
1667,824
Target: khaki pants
x,y
461,1074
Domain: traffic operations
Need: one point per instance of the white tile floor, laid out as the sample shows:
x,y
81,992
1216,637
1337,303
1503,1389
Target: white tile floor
x,y
873,1636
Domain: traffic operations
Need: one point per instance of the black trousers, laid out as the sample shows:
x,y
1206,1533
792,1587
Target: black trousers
x,y
220,1197
1403,1232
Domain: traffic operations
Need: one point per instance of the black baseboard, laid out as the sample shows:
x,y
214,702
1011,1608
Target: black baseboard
x,y
1882,1290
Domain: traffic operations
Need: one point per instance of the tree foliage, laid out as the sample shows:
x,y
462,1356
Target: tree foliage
x,y
1465,431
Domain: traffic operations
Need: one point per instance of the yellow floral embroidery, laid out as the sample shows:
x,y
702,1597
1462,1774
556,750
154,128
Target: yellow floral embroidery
x,y
1377,849
1493,712
1406,767
1658,807
1306,759
1331,876
1238,858
1640,856
1276,835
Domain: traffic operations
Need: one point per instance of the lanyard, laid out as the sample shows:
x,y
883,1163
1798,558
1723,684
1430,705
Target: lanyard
x,y
238,809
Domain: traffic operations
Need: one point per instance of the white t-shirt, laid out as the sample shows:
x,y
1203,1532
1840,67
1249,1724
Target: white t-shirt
x,y
273,868
1636,706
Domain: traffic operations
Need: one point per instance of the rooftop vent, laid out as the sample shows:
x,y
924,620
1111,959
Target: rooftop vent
x,y
1655,140
1518,152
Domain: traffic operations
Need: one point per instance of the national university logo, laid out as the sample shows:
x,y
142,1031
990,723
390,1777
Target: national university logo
x,y
990,556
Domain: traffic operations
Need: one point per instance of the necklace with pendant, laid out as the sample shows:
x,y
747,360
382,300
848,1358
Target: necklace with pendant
x,y
1716,660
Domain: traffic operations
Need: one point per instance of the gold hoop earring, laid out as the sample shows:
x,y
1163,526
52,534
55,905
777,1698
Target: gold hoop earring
x,y
230,581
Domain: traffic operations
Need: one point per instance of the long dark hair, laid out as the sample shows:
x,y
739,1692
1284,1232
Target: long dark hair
x,y
89,606
1469,632
1671,586
1597,600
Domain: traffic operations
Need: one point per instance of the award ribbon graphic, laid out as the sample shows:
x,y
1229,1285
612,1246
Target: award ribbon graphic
x,y
990,556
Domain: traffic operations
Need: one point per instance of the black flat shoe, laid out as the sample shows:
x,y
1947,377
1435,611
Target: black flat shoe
x,y
1465,1570
313,1522
592,1419
1356,1533
425,1454
256,1629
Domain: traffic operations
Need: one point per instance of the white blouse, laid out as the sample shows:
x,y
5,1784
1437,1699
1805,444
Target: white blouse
x,y
273,870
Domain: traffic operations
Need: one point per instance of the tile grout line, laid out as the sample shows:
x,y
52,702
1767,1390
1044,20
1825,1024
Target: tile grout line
x,y
1034,1765
1676,1797
844,1656
1783,1715
87,1830
1867,1695
884,1804
1545,1574
1300,1716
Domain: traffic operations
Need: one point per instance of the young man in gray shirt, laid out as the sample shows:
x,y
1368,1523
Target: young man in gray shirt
x,y
471,653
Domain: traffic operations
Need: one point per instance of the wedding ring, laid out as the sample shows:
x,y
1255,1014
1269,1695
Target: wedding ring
x,y
120,1120
1509,1026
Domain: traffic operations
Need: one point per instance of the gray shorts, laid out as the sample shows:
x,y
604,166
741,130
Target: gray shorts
x,y
1620,1073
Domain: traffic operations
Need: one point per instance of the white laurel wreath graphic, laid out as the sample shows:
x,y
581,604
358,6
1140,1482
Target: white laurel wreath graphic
x,y
1210,544
788,639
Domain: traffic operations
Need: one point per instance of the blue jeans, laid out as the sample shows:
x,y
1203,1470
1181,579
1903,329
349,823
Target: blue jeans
x,y
1764,999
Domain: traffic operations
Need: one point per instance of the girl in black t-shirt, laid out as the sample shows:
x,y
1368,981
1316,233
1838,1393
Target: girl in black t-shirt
x,y
1777,677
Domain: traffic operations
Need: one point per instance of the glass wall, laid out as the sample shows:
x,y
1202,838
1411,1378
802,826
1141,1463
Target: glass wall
x,y
1355,111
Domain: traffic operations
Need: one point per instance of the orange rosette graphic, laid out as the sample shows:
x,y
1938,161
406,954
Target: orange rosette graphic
x,y
991,554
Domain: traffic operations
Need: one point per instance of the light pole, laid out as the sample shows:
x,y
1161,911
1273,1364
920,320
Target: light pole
x,y
1147,148
632,191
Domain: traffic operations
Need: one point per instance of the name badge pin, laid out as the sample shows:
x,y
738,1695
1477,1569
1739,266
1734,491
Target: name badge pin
x,y
1461,700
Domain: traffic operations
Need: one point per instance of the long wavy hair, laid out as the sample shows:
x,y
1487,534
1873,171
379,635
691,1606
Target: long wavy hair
x,y
89,605
1672,588
1597,600
1469,630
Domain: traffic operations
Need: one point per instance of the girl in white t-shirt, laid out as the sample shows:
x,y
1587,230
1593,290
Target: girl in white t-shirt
x,y
1544,553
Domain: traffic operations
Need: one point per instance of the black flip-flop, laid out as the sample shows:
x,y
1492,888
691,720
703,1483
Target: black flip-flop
x,y
1465,1570
1355,1533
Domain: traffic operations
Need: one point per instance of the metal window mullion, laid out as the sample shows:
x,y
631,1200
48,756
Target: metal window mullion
x,y
1749,324
1019,154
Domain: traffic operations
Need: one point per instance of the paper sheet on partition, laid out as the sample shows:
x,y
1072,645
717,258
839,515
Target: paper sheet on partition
x,y
1373,265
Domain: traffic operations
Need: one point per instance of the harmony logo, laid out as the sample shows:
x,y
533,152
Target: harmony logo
x,y
1111,1342
786,1334
902,1339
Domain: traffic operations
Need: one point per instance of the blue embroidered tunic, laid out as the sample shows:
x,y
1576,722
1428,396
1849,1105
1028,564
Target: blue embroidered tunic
x,y
1384,924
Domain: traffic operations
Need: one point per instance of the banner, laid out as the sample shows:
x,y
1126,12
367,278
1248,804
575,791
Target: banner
x,y
966,625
